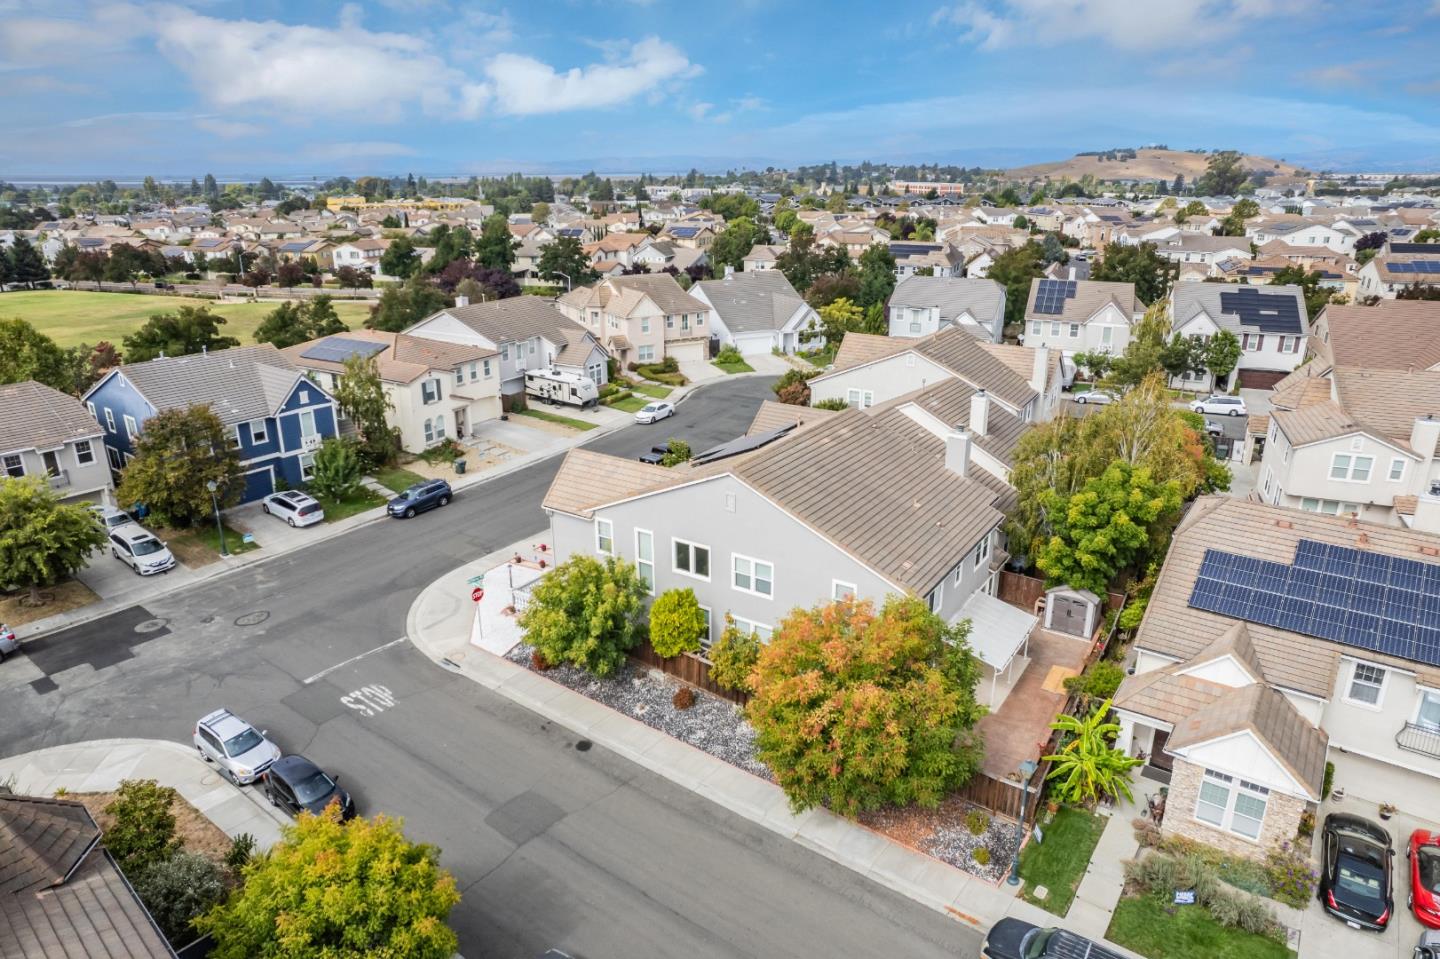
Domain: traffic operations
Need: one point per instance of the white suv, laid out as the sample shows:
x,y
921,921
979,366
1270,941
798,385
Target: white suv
x,y
139,549
1219,404
242,753
294,507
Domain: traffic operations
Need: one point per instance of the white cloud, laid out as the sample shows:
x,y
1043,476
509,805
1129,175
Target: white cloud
x,y
697,111
524,85
101,29
369,149
228,129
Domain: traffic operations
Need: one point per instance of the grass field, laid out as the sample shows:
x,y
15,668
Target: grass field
x,y
1059,862
71,317
569,421
1150,927
397,479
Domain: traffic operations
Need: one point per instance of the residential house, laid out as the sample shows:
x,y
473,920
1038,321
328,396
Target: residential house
x,y
1275,641
361,254
926,259
921,305
660,255
617,249
437,389
1299,231
1389,273
1270,322
44,432
761,257
759,312
696,236
1202,248
1391,335
275,416
61,893
528,333
641,318
1081,316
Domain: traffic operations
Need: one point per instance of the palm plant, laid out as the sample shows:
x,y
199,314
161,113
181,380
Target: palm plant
x,y
1088,766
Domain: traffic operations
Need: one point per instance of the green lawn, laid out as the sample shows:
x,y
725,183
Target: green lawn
x,y
740,367
70,317
397,479
652,390
359,502
207,539
1145,925
569,421
1059,862
630,404
820,358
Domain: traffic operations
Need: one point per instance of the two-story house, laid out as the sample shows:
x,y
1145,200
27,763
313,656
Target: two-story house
x,y
1270,322
44,432
275,416
1276,641
1203,248
761,257
437,389
922,305
759,312
1081,316
642,318
527,332
363,254
1388,274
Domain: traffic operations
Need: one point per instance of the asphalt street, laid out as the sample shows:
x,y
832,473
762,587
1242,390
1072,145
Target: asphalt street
x,y
553,844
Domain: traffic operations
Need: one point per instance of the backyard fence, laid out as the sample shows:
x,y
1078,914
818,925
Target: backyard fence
x,y
689,669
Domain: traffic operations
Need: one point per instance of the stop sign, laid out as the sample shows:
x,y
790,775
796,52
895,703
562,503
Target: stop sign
x,y
477,594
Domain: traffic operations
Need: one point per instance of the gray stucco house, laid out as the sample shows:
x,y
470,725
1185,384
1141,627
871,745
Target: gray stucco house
x,y
44,432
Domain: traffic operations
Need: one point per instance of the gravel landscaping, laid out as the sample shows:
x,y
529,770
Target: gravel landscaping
x,y
943,832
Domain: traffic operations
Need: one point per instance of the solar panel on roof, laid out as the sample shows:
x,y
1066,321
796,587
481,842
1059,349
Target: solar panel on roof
x,y
338,349
741,444
1268,312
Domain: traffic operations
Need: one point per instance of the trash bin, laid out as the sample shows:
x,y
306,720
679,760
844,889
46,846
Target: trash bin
x,y
459,466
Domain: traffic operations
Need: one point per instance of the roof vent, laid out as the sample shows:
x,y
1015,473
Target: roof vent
x,y
1284,524
1362,540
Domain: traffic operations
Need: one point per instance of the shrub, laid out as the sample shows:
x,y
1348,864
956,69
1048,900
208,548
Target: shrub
x,y
1096,684
981,855
143,831
586,612
1290,877
669,365
337,469
676,452
833,403
729,355
684,698
1160,874
977,822
676,623
178,890
793,387
733,656
1327,782
242,847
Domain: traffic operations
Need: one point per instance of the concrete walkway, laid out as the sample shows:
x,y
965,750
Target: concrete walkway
x,y
101,765
1104,879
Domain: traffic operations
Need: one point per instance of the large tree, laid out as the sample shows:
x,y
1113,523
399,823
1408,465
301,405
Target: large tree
x,y
565,255
360,394
1234,224
877,275
1142,265
1014,269
587,613
331,889
800,261
42,540
1222,353
296,322
738,238
28,354
1224,174
856,709
400,258
26,264
178,453
405,305
495,247
190,329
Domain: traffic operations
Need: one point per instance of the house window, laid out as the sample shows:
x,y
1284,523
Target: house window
x,y
1035,327
307,467
114,454
429,431
258,433
486,365
1352,469
532,347
692,559
841,590
605,537
958,573
91,408
109,420
982,552
14,465
644,324
914,326
705,640
1428,715
932,600
504,351
430,391
646,354
1074,330
1253,342
475,372
1289,344
1397,469
1054,327
1107,334
131,429
645,558
234,437
1236,806
1367,684
307,421
753,628
752,575
84,455
860,398
459,376
669,322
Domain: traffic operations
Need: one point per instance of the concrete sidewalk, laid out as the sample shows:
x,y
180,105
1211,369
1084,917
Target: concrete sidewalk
x,y
100,765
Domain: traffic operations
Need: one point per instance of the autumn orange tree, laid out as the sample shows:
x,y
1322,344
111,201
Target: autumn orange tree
x,y
855,709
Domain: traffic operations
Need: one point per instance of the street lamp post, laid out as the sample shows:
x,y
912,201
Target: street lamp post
x,y
212,486
1027,769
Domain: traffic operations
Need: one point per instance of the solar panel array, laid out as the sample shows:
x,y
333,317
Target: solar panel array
x,y
1365,600
913,249
741,444
1051,295
1423,249
1415,266
1268,312
337,349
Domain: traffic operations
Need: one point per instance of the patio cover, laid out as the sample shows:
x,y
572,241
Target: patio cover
x,y
997,629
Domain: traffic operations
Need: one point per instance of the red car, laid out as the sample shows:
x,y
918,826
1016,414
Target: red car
x,y
1424,855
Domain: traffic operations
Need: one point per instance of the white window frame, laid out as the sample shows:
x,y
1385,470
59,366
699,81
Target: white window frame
x,y
1397,469
645,353
1427,695
307,467
604,537
261,435
1347,472
132,429
753,576
981,553
1034,327
1074,330
485,365
674,560
93,415
1368,682
935,598
1225,818
425,387
504,351
19,463
645,568
1107,335
839,590
459,376
753,628
860,399
707,637
644,324
110,419
1054,327
89,453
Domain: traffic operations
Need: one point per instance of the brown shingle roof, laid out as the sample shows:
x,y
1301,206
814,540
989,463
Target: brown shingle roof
x,y
1391,335
1090,297
773,415
1298,745
35,416
1389,401
953,348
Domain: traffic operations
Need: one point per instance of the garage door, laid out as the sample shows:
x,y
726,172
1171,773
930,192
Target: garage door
x,y
689,351
754,345
1260,379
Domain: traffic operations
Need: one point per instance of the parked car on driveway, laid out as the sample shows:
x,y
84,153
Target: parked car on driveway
x,y
1424,855
1096,398
294,507
110,517
1355,857
241,751
295,784
420,497
1218,404
655,454
140,549
1017,939
8,642
654,412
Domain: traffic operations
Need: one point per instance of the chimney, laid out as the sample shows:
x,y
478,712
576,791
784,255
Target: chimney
x,y
957,450
1040,370
729,271
1424,437
462,301
1427,510
980,413
1072,272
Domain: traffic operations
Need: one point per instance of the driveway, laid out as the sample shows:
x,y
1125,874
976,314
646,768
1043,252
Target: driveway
x,y
111,579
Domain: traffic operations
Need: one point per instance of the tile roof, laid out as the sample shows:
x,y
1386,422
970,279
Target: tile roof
x,y
953,348
1090,298
239,384
1165,695
1317,422
1391,335
404,359
1299,745
514,318
752,302
1389,401
773,415
983,299
1302,387
950,403
36,416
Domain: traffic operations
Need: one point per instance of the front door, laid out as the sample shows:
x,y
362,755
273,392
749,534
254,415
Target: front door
x,y
1159,758
460,423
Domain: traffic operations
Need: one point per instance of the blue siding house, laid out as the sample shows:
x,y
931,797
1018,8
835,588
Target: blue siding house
x,y
276,417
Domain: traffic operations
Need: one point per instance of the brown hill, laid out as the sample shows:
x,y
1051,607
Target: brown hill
x,y
1147,164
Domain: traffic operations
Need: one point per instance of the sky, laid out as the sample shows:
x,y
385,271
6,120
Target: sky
x,y
455,87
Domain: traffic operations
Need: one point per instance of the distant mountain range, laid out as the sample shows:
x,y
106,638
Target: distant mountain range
x,y
1148,165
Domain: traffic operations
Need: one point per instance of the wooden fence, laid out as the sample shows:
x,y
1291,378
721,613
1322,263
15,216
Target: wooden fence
x,y
1017,589
687,668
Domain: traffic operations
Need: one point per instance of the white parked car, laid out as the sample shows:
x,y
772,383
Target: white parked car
x,y
242,753
141,550
1095,398
655,412
294,507
1219,404
110,517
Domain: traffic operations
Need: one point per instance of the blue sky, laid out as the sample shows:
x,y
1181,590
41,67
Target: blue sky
x,y
92,87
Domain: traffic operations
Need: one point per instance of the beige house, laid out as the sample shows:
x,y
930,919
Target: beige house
x,y
1081,316
437,390
642,318
44,432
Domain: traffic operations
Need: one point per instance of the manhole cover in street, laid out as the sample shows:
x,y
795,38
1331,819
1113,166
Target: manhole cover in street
x,y
151,625
206,620
583,746
252,619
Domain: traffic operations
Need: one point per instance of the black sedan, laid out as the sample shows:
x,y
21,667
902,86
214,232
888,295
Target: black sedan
x,y
1012,938
1355,884
295,784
